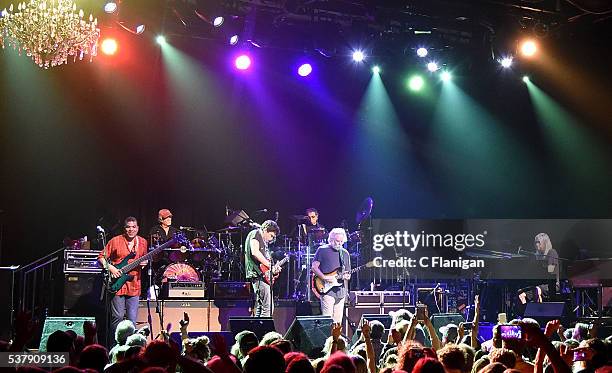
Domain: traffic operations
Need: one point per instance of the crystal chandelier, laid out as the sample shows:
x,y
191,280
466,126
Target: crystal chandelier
x,y
49,32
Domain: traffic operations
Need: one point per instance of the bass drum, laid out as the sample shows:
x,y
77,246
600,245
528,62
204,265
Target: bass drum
x,y
180,272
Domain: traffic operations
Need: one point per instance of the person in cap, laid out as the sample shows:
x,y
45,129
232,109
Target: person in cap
x,y
163,231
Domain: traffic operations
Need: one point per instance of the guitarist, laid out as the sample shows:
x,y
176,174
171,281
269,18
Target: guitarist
x,y
329,258
125,301
255,253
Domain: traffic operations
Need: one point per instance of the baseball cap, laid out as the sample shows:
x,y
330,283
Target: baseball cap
x,y
164,213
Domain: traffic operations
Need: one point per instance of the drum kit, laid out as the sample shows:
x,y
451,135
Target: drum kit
x,y
212,256
209,256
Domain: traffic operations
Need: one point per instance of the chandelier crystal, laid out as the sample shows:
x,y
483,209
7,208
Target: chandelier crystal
x,y
49,32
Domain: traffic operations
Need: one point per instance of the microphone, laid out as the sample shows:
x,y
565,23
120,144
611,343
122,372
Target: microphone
x,y
262,210
100,229
187,228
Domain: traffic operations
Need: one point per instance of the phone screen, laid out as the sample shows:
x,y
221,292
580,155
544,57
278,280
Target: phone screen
x,y
579,356
511,332
420,312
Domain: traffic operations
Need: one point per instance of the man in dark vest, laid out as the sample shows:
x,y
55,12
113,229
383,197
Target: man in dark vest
x,y
256,252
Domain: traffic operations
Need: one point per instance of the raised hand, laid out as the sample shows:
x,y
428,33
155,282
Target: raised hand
x,y
365,329
336,330
551,327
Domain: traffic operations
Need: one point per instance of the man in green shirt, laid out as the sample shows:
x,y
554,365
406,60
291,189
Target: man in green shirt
x,y
256,253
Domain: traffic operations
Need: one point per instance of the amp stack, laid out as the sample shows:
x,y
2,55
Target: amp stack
x,y
82,284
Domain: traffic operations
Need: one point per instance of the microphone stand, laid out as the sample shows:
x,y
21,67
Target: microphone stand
x,y
155,292
105,286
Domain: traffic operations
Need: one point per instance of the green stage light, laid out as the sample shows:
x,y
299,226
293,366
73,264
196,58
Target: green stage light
x,y
160,39
445,76
376,69
416,83
526,79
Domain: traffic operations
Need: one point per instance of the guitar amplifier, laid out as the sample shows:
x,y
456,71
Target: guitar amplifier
x,y
81,261
186,290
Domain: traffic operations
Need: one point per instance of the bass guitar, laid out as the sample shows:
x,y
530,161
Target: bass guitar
x,y
266,271
124,266
321,287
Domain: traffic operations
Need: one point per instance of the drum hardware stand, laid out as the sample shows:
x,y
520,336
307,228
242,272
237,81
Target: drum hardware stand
x,y
584,302
158,306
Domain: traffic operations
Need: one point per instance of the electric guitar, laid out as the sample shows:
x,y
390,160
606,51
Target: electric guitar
x,y
115,284
321,287
266,271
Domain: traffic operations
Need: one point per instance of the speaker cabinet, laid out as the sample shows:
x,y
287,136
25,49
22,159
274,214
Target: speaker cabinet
x,y
442,319
82,295
53,324
201,316
546,311
308,333
258,325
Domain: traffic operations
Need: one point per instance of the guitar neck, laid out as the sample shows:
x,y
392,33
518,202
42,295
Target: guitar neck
x,y
283,261
147,256
339,275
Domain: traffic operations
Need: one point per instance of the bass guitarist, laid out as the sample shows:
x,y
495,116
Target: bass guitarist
x,y
125,301
328,259
256,253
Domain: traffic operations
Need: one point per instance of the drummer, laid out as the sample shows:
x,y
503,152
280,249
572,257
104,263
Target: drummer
x,y
312,217
163,231
312,229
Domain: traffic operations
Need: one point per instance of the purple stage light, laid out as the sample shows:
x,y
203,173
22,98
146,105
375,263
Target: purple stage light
x,y
305,69
242,62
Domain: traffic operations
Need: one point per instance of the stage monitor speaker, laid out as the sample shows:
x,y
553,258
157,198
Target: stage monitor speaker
x,y
53,324
356,313
441,319
82,292
226,309
284,314
308,333
258,325
545,311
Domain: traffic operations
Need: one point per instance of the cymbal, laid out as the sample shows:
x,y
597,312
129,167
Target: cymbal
x,y
229,229
316,230
364,210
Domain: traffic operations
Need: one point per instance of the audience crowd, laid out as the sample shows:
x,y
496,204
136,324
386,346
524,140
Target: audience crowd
x,y
409,346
